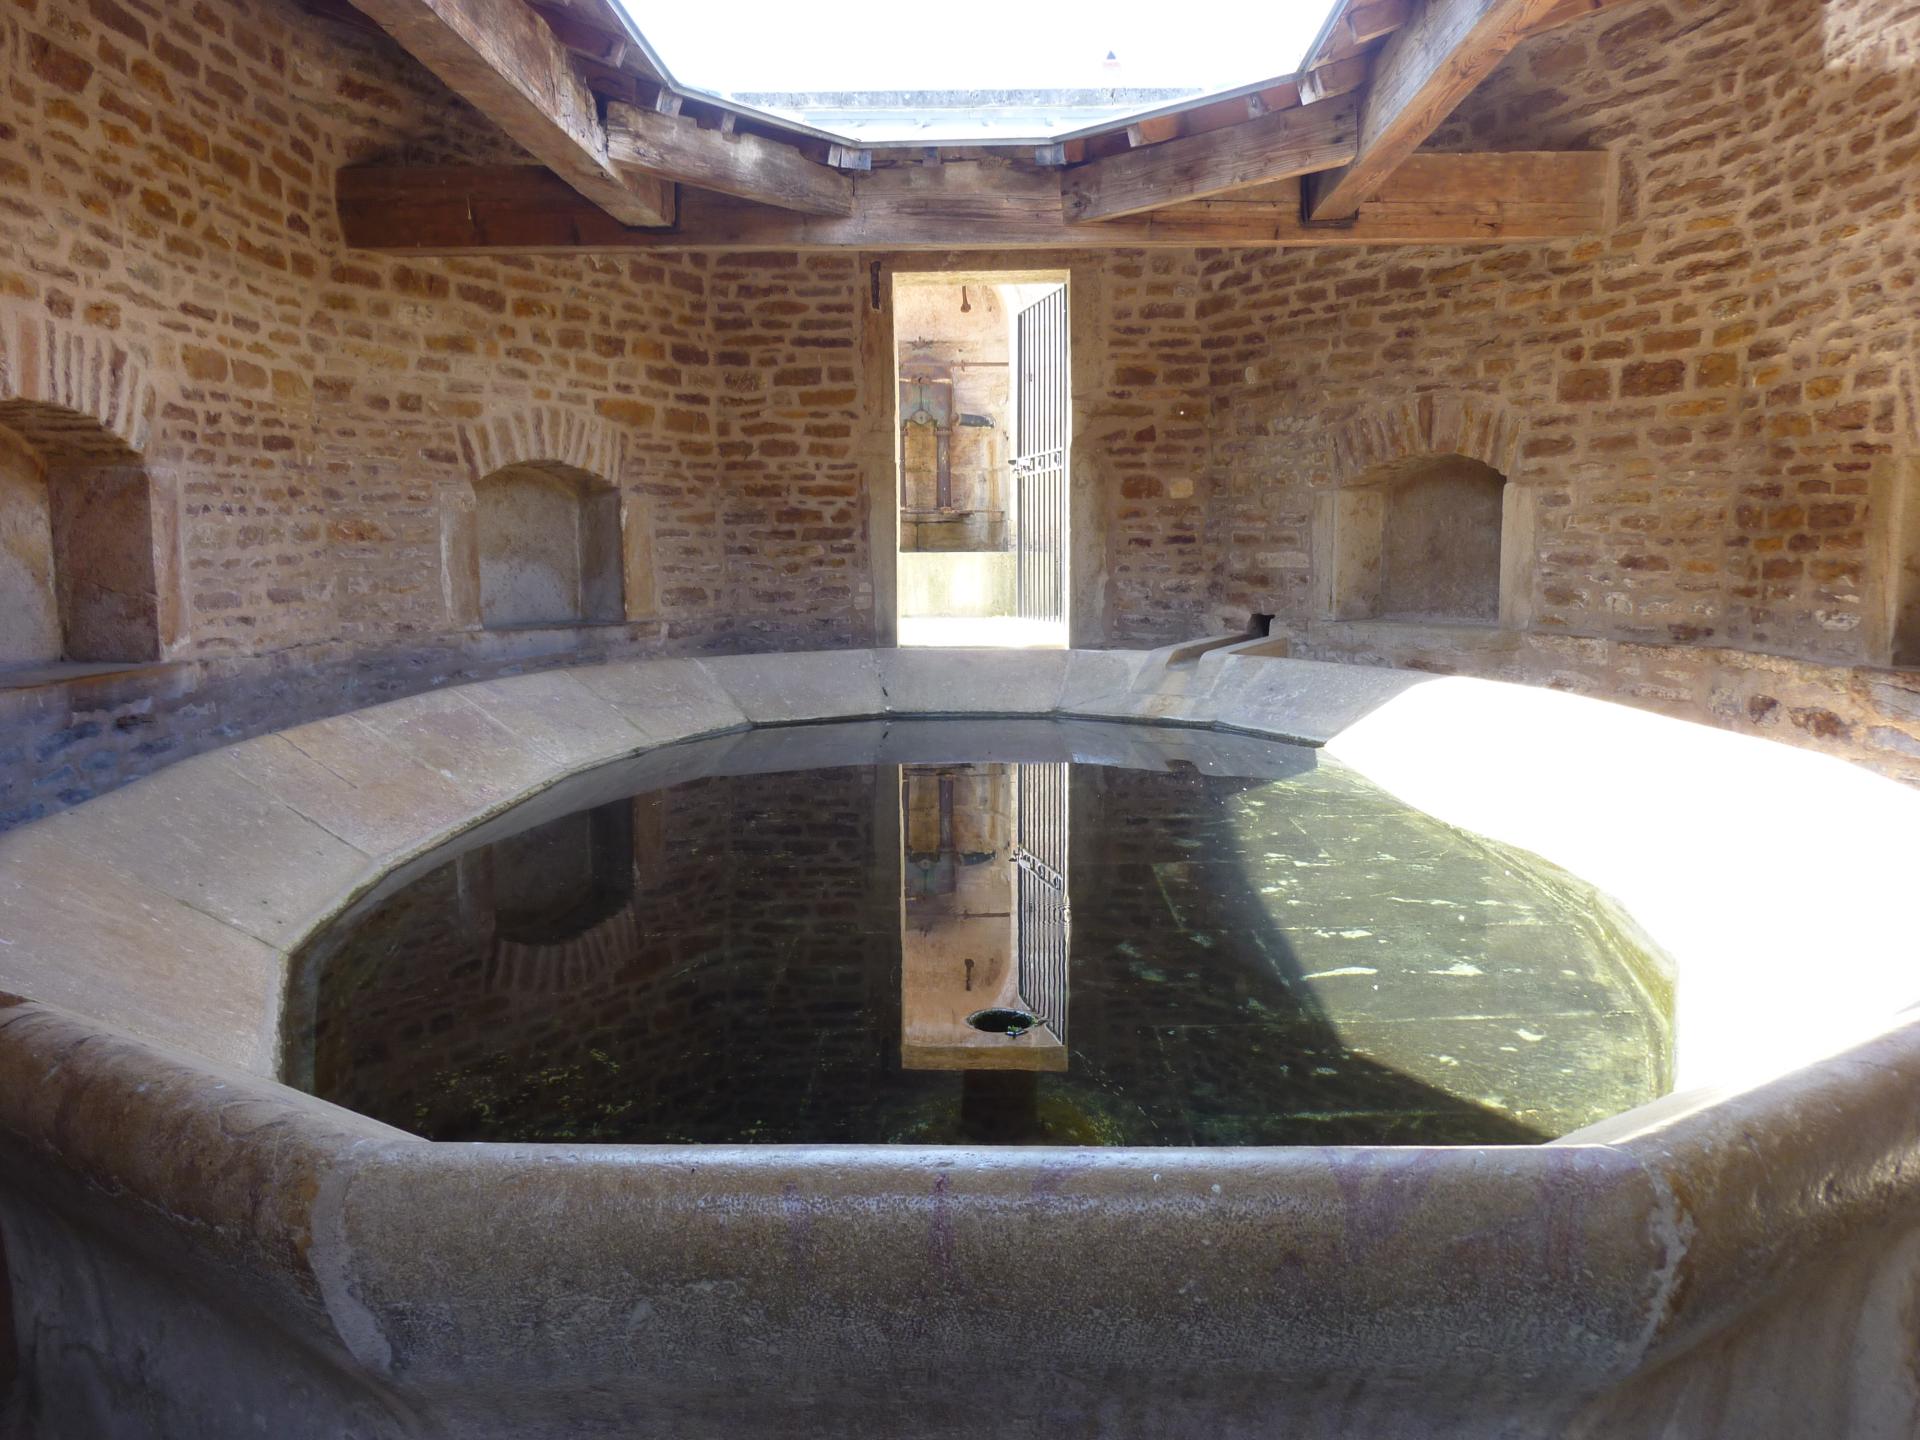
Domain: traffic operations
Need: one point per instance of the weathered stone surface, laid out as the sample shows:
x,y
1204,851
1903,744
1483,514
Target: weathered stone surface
x,y
982,681
449,734
666,700
1093,675
557,715
499,1288
211,839
775,689
353,784
81,935
1301,699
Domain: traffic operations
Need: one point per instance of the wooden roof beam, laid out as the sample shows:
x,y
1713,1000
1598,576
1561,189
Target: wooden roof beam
x,y
1342,77
1358,27
670,147
1272,147
1434,199
1423,71
506,62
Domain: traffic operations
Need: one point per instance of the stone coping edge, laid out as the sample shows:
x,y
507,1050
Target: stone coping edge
x,y
1583,1263
1591,1257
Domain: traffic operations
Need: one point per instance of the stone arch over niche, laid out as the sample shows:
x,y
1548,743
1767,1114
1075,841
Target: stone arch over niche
x,y
1420,517
88,548
541,462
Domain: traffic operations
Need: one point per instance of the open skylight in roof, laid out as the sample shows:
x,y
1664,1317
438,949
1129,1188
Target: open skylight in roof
x,y
992,71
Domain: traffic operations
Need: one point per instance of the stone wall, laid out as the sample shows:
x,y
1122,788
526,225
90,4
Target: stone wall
x,y
1710,414
792,416
168,180
171,274
1714,402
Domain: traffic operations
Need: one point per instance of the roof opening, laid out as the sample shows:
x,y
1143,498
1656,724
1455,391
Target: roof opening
x,y
997,72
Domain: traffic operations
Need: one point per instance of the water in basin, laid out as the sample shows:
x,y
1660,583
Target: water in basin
x,y
965,932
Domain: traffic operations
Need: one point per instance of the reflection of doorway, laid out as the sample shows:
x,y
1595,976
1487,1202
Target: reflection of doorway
x,y
981,364
984,916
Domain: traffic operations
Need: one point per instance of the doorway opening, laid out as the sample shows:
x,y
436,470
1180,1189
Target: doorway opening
x,y
981,362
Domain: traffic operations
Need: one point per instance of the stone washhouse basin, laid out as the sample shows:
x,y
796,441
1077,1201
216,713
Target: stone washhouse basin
x,y
197,1250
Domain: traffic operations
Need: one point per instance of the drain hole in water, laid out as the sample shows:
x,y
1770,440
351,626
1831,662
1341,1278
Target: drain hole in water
x,y
1010,1023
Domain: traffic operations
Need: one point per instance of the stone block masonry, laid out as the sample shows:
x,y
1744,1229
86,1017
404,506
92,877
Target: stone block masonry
x,y
1712,410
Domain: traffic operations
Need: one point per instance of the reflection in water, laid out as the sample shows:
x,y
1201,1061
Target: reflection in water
x,y
984,936
983,929
1178,956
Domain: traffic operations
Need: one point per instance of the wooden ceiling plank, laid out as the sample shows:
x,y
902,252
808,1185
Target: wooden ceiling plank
x,y
1272,147
674,148
1423,71
1435,199
506,62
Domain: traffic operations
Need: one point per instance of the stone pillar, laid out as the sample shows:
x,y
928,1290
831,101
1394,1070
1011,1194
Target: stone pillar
x,y
460,558
641,599
1519,505
1349,532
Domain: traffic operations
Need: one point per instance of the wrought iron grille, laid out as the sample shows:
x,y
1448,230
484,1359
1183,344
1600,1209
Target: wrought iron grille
x,y
1040,459
1043,919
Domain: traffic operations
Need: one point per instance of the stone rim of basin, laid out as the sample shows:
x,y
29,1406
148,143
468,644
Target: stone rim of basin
x,y
147,1008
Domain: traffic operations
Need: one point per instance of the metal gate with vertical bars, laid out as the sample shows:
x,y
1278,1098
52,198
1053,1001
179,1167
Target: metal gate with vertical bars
x,y
1040,459
1042,917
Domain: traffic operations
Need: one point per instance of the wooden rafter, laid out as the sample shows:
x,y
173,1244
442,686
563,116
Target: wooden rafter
x,y
1434,199
672,147
1340,77
1272,147
507,63
1358,26
1426,67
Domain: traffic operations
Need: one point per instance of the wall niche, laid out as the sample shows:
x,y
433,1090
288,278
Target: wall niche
x,y
547,547
1438,538
84,570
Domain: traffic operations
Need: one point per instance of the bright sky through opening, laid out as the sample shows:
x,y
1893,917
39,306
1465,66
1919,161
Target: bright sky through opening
x,y
984,45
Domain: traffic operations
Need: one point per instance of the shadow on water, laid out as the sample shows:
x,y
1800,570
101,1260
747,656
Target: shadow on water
x,y
719,960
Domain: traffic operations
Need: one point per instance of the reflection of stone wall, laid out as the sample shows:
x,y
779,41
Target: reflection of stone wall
x,y
756,943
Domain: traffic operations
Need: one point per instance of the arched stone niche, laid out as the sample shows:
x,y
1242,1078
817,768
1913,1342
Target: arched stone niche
x,y
546,547
88,569
1423,522
542,535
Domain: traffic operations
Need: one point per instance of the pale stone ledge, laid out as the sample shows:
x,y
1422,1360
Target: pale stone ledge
x,y
1768,1210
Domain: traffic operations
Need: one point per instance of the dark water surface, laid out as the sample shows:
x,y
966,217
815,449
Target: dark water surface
x,y
818,935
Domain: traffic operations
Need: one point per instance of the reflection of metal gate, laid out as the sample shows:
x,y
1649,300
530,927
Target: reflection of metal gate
x,y
1040,459
1042,918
